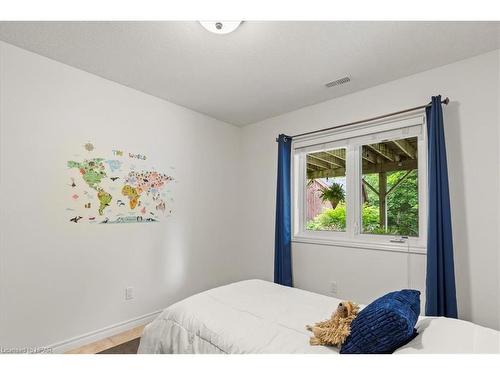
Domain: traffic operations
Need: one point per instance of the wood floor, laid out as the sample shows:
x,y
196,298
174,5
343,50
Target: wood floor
x,y
109,342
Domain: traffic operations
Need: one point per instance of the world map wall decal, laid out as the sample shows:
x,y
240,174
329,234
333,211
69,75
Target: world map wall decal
x,y
116,187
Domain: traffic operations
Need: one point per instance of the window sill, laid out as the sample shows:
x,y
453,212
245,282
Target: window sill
x,y
366,245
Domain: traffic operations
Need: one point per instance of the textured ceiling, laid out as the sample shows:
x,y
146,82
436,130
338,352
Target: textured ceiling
x,y
262,69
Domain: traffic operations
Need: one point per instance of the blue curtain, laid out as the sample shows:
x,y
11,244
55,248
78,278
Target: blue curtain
x,y
440,281
283,236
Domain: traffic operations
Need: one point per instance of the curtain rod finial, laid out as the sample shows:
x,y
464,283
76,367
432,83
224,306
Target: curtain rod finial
x,y
446,101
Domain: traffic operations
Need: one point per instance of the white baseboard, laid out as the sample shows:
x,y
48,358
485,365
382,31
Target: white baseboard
x,y
87,338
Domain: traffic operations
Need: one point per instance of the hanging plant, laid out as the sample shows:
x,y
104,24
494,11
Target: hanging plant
x,y
333,194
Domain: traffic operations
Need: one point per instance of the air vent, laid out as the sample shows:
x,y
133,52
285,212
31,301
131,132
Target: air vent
x,y
338,82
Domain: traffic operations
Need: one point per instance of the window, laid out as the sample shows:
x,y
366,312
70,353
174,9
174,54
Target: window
x,y
325,191
389,187
362,186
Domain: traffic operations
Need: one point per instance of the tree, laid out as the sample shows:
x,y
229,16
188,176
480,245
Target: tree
x,y
402,203
333,194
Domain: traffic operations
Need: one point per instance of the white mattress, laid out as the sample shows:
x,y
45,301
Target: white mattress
x,y
257,316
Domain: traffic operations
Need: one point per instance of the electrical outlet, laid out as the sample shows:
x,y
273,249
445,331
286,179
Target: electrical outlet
x,y
333,288
129,293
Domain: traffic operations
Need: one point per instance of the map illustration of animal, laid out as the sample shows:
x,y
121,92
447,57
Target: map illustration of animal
x,y
116,187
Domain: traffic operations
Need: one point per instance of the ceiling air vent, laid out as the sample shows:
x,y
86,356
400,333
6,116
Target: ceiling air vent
x,y
338,82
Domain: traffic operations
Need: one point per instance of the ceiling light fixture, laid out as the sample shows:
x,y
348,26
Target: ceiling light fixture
x,y
220,27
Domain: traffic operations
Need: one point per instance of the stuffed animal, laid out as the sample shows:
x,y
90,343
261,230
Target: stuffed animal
x,y
335,330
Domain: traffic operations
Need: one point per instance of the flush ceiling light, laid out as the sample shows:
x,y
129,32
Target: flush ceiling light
x,y
220,27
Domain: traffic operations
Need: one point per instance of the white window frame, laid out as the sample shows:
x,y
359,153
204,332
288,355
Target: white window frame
x,y
352,138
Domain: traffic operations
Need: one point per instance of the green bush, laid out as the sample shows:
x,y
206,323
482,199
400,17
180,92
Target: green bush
x,y
370,220
402,209
329,219
335,219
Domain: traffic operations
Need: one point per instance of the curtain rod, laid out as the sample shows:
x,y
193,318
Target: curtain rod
x,y
445,101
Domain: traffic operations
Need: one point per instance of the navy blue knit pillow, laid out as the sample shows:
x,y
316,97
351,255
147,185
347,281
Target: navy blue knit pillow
x,y
385,324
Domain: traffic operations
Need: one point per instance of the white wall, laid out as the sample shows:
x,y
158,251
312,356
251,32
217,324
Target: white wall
x,y
472,136
60,280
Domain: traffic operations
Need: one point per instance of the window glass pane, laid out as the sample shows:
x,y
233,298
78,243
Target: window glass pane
x,y
389,187
326,189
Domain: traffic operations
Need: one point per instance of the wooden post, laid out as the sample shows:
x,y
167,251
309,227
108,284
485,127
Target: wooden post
x,y
382,194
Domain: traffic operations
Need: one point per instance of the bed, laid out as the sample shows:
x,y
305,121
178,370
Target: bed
x,y
256,316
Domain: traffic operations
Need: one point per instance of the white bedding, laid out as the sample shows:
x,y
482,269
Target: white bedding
x,y
257,316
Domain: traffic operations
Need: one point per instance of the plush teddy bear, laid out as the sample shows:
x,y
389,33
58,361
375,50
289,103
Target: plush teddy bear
x,y
335,330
